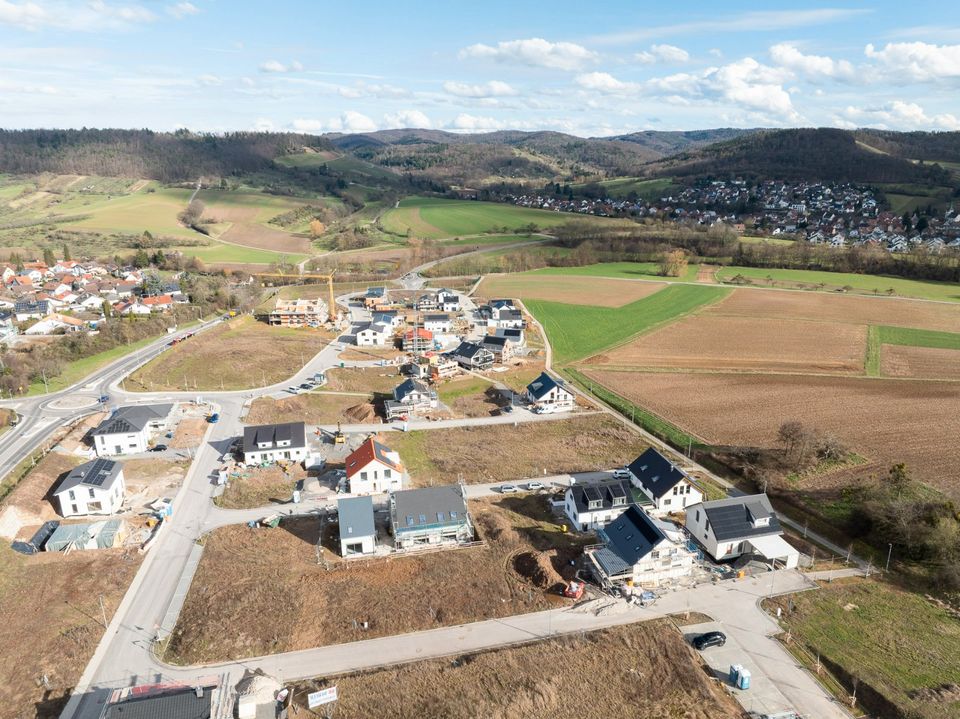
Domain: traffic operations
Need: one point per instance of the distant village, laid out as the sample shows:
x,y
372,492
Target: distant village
x,y
839,215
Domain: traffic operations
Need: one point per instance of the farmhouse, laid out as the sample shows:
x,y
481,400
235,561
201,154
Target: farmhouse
x,y
373,335
373,468
549,395
591,505
358,532
637,549
667,486
737,526
429,517
409,396
470,355
94,487
273,442
128,429
298,313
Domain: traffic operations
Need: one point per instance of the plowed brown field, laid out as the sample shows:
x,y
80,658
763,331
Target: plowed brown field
x,y
706,341
250,234
923,362
600,292
887,421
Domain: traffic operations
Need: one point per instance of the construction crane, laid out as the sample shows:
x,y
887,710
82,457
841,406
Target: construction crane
x,y
303,279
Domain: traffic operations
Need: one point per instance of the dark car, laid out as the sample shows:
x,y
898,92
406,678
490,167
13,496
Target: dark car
x,y
213,418
159,448
710,639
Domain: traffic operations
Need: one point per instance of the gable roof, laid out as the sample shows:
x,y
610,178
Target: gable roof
x,y
413,508
656,473
293,432
178,703
632,536
468,350
101,473
126,420
542,385
495,342
603,490
733,517
355,515
409,386
368,452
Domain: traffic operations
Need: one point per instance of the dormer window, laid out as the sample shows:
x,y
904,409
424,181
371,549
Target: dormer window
x,y
619,501
595,504
761,522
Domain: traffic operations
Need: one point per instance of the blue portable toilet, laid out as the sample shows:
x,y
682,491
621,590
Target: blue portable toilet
x,y
744,680
735,670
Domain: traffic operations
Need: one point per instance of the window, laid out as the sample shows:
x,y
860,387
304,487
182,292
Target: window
x,y
453,515
666,502
363,476
698,515
72,495
676,491
73,509
386,474
92,492
423,519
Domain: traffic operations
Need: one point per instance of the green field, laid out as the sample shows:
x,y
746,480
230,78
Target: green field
x,y
487,240
751,240
132,214
861,284
644,189
439,218
223,253
576,332
625,270
919,338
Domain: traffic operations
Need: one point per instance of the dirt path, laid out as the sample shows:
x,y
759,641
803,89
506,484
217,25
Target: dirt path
x,y
707,274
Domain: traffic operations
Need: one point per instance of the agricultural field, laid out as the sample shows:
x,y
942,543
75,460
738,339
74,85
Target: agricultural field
x,y
623,187
896,643
304,605
502,452
576,332
835,281
239,354
312,408
573,290
438,218
480,241
624,270
642,671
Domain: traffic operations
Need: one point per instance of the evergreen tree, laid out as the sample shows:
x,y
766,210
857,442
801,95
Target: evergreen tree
x,y
49,259
67,257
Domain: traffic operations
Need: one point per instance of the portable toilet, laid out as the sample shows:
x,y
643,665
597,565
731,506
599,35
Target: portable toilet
x,y
744,680
735,670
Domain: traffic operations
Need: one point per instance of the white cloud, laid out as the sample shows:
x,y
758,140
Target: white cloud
x,y
348,121
810,66
474,123
535,52
605,83
754,86
182,9
307,125
209,80
670,54
353,121
407,118
917,61
92,16
275,66
493,88
900,115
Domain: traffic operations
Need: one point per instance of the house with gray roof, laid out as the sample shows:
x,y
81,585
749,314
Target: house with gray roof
x,y
667,486
273,442
591,505
128,429
358,532
736,526
94,487
430,517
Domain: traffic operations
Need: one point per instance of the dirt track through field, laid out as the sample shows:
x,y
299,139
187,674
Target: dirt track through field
x,y
707,274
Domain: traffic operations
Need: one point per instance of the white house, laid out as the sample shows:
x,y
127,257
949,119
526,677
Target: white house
x,y
373,468
128,429
54,323
548,395
448,301
667,486
411,395
438,324
358,531
729,528
374,335
592,505
273,442
94,487
637,549
393,318
471,355
430,516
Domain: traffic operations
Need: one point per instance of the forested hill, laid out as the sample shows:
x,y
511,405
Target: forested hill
x,y
169,157
823,154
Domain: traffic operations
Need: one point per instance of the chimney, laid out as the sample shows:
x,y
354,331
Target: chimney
x,y
199,691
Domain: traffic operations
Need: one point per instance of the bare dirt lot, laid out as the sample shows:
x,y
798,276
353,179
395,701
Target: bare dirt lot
x,y
50,622
363,379
922,362
886,421
641,671
707,341
149,479
602,292
282,600
312,408
260,486
189,433
849,309
498,453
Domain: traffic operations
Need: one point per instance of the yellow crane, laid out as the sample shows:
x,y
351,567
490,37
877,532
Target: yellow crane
x,y
303,279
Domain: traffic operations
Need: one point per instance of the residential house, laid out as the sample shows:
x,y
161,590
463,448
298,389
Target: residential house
x,y
448,300
158,303
735,526
499,346
128,429
94,487
32,310
392,318
429,517
203,699
515,336
375,297
442,367
507,319
410,396
298,313
417,340
358,531
668,487
54,323
373,468
549,395
377,334
427,302
473,356
438,324
637,551
591,505
274,442
132,307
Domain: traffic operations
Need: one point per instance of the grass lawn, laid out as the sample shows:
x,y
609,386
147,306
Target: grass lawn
x,y
625,270
861,284
896,641
154,211
486,240
918,338
439,218
576,332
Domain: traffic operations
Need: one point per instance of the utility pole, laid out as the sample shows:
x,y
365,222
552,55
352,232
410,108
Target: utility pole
x,y
43,373
103,612
889,554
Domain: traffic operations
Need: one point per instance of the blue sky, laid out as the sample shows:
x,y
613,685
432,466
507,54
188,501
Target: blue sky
x,y
588,68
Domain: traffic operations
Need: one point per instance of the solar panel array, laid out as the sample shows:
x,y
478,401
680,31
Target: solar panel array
x,y
99,472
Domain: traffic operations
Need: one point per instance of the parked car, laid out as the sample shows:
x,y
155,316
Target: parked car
x,y
213,418
158,448
621,473
508,488
534,486
710,639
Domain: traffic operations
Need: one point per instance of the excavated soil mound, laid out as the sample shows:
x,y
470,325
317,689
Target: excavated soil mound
x,y
361,413
537,567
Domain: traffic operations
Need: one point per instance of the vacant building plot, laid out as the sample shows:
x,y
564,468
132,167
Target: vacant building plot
x,y
848,309
886,421
642,671
708,341
239,354
504,452
919,362
50,622
251,487
572,290
369,380
312,408
282,600
148,479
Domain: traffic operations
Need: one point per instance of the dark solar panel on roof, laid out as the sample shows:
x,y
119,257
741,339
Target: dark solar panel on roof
x,y
98,472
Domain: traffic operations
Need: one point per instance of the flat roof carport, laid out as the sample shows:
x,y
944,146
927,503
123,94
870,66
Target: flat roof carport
x,y
776,548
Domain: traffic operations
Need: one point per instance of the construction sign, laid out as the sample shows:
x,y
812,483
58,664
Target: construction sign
x,y
324,696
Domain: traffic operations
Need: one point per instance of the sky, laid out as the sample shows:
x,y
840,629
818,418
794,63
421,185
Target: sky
x,y
589,68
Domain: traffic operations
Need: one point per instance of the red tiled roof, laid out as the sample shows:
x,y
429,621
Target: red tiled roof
x,y
366,453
